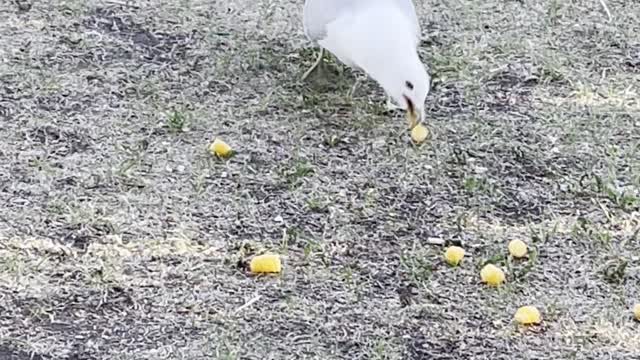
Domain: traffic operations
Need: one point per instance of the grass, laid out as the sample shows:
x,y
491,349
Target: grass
x,y
121,237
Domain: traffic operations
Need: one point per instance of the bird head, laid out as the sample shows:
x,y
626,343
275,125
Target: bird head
x,y
390,56
410,88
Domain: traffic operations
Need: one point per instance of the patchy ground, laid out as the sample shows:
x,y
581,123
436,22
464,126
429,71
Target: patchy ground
x,y
121,237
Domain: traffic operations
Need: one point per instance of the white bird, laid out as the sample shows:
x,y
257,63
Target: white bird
x,y
379,37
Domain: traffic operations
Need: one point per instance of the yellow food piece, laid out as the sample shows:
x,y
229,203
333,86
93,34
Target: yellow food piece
x,y
454,255
419,133
267,263
517,248
492,275
636,311
527,315
220,148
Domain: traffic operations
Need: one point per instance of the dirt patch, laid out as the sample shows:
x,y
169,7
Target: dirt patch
x,y
151,45
122,237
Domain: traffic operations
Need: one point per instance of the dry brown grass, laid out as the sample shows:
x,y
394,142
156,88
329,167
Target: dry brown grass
x,y
122,238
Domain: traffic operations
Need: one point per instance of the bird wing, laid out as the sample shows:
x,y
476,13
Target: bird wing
x,y
318,13
409,9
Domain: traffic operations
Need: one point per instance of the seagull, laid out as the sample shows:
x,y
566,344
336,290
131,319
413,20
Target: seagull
x,y
378,37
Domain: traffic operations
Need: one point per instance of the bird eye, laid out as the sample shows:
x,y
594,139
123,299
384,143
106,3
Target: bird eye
x,y
409,84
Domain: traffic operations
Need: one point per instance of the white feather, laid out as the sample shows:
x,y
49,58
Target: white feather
x,y
379,37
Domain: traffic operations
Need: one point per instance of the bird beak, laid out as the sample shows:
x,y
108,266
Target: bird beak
x,y
413,115
412,118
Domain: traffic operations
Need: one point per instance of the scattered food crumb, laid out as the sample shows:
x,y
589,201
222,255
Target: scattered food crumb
x,y
220,148
517,248
267,263
454,255
419,133
492,275
527,315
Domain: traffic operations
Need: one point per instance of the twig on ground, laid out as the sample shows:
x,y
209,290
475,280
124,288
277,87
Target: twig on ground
x,y
435,241
606,9
247,304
